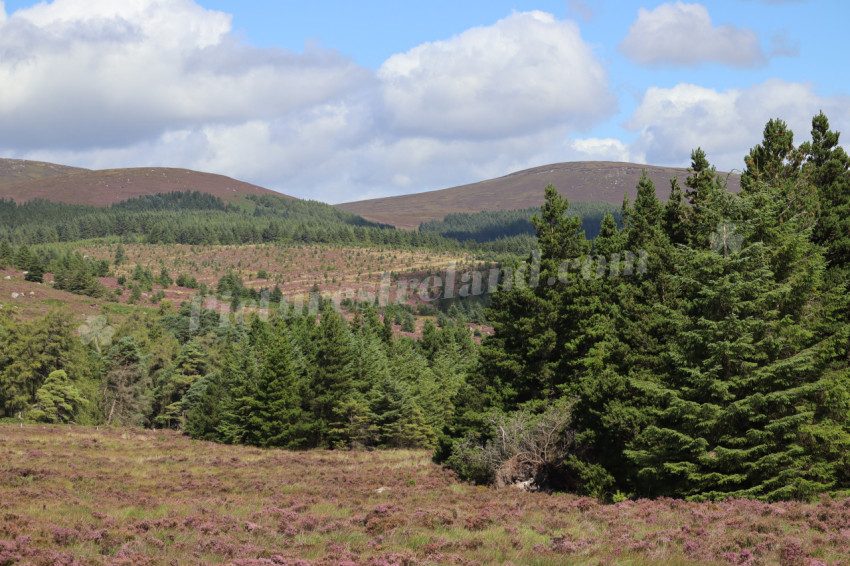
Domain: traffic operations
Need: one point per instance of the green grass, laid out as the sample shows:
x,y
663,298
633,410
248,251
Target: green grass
x,y
155,497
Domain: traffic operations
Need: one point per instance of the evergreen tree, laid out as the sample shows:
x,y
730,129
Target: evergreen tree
x,y
400,423
120,255
7,254
124,398
773,161
676,215
57,400
828,169
537,326
206,416
708,198
748,407
270,411
330,383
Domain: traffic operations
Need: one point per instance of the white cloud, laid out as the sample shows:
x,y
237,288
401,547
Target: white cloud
x,y
526,72
726,124
605,149
79,73
679,34
100,84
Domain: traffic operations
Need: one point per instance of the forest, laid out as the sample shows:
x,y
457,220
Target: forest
x,y
719,369
490,225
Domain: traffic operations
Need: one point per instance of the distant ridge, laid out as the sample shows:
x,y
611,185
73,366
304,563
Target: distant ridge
x,y
28,180
579,181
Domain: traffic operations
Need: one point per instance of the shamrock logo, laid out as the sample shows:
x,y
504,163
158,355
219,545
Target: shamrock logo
x,y
96,331
725,239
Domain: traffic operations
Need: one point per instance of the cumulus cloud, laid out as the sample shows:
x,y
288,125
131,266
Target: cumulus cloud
x,y
99,72
526,72
605,149
678,34
726,124
100,84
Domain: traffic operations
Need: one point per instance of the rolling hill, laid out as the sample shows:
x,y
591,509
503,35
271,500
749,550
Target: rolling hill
x,y
18,170
28,180
580,181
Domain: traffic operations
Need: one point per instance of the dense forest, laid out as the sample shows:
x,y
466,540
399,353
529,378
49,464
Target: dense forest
x,y
490,225
719,366
197,218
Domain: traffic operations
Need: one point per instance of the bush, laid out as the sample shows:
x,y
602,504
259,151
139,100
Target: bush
x,y
523,449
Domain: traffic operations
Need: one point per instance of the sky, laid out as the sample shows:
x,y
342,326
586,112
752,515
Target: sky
x,y
342,101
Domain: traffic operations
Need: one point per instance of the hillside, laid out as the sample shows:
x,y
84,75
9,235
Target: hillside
x,y
580,181
18,170
109,186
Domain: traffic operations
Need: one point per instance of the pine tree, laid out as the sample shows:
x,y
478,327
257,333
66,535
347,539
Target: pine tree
x,y
330,382
272,416
7,254
400,423
126,379
827,167
676,214
204,419
708,198
748,407
773,161
536,324
120,255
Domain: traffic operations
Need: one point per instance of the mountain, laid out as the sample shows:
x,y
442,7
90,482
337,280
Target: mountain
x,y
27,180
579,181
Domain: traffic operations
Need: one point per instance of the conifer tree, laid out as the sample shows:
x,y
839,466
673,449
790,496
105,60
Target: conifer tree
x,y
330,383
747,408
57,400
273,415
827,167
6,254
708,198
536,323
676,214
206,416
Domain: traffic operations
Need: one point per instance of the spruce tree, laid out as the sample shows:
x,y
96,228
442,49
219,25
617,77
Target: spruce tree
x,y
7,254
827,167
749,406
536,323
330,383
676,214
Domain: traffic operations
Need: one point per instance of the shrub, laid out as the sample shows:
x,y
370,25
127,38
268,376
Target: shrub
x,y
523,449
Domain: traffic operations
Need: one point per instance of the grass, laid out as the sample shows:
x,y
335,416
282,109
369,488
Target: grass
x,y
78,495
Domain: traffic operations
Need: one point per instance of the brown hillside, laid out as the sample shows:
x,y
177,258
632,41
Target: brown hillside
x,y
109,186
17,170
580,181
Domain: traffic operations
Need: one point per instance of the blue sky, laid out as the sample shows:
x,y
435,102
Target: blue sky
x,y
340,101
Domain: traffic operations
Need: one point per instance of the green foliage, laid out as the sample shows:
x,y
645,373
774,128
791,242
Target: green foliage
x,y
126,379
57,400
513,228
120,255
76,274
720,369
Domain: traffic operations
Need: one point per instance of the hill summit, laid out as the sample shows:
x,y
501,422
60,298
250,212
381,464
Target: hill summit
x,y
579,181
27,180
